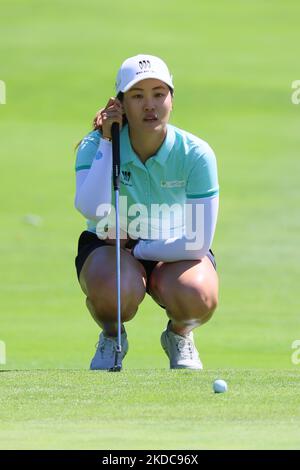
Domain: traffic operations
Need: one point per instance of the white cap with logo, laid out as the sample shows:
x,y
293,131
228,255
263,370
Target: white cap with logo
x,y
139,68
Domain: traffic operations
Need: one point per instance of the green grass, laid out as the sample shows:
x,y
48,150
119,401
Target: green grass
x,y
153,409
233,64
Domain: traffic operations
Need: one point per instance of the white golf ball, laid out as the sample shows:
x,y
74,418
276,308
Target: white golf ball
x,y
220,386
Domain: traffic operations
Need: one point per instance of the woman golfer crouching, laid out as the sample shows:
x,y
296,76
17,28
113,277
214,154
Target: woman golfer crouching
x,y
166,173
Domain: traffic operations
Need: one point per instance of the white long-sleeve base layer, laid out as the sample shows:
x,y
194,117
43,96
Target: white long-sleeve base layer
x,y
195,243
93,186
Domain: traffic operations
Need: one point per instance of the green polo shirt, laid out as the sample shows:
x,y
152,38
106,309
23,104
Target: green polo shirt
x,y
183,167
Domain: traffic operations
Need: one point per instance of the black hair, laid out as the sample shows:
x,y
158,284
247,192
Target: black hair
x,y
120,97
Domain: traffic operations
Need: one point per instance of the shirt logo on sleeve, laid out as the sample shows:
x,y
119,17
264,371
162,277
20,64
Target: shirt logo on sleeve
x,y
172,184
99,155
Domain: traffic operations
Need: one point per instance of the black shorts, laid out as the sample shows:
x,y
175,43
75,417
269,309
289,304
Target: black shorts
x,y
88,242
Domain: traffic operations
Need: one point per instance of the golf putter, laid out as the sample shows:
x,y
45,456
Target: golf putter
x,y
115,133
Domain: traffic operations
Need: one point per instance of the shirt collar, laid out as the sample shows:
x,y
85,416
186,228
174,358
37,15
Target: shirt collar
x,y
129,155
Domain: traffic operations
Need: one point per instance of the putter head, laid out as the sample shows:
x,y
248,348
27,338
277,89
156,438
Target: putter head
x,y
118,364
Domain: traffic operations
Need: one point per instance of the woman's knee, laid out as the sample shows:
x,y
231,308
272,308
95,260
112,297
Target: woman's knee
x,y
189,302
106,311
205,304
99,280
102,296
187,290
195,301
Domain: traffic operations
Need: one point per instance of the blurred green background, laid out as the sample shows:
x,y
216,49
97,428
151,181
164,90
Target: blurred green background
x,y
233,64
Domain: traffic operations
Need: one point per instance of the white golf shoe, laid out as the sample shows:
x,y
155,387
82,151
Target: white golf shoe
x,y
104,358
180,350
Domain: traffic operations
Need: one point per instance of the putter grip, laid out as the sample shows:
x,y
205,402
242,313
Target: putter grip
x,y
115,135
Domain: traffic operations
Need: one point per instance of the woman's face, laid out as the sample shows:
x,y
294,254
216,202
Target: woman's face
x,y
148,105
